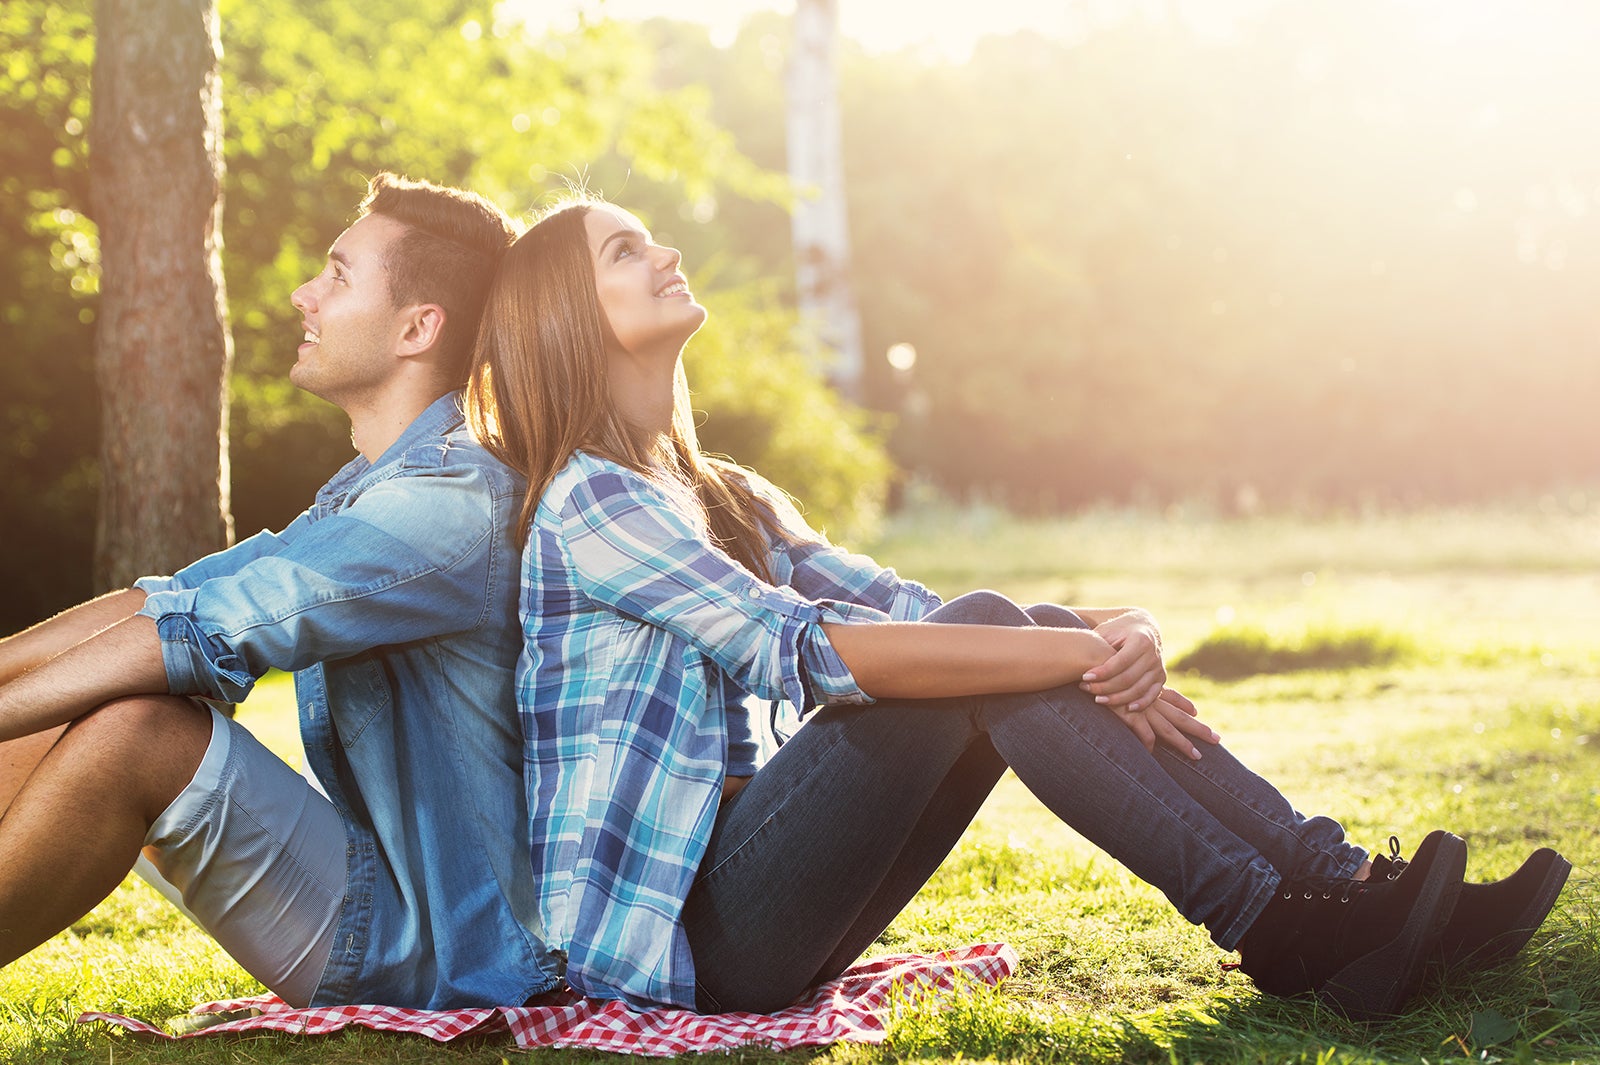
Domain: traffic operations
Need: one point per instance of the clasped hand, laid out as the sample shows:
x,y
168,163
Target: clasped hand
x,y
1131,683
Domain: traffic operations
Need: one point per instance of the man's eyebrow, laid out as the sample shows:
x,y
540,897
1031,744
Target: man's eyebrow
x,y
619,234
339,257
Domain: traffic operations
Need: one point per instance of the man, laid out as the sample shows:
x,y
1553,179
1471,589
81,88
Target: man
x,y
393,598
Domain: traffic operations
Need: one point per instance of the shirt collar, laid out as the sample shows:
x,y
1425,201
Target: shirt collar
x,y
437,419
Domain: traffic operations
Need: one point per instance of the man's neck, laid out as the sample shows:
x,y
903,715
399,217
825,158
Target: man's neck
x,y
373,429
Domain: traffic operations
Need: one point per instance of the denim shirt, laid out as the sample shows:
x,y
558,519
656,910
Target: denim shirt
x,y
394,601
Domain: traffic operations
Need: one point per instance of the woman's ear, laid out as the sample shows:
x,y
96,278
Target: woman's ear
x,y
424,325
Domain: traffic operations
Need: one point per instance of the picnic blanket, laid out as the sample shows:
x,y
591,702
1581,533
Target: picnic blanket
x,y
856,1007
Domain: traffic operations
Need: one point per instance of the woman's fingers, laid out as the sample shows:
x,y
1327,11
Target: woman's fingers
x,y
1140,725
1171,726
1128,675
1135,689
1180,701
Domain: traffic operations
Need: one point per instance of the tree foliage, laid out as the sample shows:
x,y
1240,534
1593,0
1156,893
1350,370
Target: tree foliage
x,y
319,94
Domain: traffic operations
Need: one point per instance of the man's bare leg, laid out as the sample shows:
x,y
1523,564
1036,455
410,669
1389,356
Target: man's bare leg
x,y
19,758
76,826
30,648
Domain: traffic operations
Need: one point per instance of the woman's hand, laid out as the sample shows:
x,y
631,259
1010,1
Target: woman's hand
x,y
1171,720
1132,678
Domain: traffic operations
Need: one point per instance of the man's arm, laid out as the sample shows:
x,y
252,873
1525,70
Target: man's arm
x,y
34,646
124,659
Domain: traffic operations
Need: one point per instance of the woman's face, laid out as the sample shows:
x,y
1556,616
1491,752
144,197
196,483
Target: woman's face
x,y
645,300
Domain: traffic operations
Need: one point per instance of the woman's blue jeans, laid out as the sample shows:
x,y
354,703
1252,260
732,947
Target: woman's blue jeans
x,y
830,840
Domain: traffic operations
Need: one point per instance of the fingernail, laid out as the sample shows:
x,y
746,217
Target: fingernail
x,y
1194,752
1091,676
1101,699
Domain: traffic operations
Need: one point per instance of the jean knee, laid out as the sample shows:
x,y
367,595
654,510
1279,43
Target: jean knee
x,y
1052,616
980,608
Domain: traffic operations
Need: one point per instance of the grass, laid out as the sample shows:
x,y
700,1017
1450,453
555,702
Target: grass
x,y
1460,691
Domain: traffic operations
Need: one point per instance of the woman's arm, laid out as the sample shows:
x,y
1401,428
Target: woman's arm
x,y
909,660
912,660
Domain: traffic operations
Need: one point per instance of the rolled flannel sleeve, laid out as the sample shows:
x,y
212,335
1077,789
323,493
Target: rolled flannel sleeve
x,y
632,550
818,570
410,559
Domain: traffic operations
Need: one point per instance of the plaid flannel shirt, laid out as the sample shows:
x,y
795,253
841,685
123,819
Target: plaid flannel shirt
x,y
641,640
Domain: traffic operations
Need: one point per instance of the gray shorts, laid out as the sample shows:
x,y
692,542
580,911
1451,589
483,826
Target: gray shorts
x,y
258,857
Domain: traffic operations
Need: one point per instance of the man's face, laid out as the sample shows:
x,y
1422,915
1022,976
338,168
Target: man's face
x,y
352,328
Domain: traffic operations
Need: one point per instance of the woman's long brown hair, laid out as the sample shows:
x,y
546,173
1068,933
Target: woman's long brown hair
x,y
539,390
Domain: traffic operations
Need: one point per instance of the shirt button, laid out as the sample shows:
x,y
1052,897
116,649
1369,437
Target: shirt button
x,y
753,592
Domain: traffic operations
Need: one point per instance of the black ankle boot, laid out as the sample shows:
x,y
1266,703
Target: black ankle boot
x,y
1360,945
1491,922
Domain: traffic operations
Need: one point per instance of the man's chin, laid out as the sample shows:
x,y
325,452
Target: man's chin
x,y
303,378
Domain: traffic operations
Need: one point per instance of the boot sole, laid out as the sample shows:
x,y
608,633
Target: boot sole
x,y
1508,944
1377,984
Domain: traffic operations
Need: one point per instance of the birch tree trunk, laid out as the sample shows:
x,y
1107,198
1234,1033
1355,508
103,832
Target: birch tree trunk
x,y
162,346
816,169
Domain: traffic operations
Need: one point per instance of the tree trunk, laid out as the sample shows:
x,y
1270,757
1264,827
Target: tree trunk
x,y
816,167
162,347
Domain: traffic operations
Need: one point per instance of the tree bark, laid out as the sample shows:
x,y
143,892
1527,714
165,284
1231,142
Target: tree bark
x,y
819,225
162,346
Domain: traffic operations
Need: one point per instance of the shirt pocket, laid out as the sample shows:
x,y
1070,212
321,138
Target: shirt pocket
x,y
363,693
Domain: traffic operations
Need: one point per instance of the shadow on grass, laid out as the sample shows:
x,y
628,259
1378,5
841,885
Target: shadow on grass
x,y
1240,651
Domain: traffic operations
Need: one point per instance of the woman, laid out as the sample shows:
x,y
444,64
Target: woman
x,y
665,592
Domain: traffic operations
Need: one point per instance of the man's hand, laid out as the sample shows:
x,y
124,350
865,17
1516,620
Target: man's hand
x,y
1132,677
1173,721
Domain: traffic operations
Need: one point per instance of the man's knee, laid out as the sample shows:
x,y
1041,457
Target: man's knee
x,y
151,744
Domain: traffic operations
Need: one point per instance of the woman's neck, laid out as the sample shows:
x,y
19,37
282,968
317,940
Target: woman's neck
x,y
643,391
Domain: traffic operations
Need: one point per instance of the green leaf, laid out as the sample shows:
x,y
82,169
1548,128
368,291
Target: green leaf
x,y
1490,1027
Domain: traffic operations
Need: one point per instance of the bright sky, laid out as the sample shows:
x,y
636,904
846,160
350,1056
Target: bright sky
x,y
946,27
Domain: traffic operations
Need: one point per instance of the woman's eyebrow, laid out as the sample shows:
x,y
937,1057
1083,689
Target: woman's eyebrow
x,y
604,244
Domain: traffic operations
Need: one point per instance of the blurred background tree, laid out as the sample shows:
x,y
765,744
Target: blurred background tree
x,y
1330,256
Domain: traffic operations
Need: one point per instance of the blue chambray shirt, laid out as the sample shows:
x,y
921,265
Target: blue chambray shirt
x,y
644,643
393,598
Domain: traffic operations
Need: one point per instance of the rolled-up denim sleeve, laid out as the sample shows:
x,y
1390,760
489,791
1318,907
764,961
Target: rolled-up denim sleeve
x,y
410,559
225,562
632,550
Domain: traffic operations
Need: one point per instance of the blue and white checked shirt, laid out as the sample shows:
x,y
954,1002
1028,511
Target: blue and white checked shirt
x,y
643,644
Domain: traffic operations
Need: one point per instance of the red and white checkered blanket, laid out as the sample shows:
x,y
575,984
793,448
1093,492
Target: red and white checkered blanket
x,y
856,1008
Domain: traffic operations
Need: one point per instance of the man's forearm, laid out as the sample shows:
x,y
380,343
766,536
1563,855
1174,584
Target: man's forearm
x,y
124,659
34,646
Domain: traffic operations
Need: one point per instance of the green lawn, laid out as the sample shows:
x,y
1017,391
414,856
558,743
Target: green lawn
x,y
1482,717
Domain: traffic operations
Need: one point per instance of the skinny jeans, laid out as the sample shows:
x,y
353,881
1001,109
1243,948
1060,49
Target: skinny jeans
x,y
812,860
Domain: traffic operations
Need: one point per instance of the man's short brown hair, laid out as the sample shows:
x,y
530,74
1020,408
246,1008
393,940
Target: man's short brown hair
x,y
452,246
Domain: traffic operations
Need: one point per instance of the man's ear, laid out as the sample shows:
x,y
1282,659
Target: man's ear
x,y
424,324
